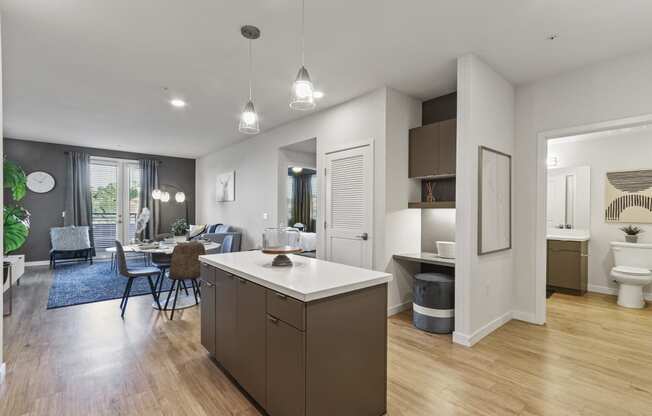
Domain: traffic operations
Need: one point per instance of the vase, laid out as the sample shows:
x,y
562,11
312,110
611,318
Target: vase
x,y
631,238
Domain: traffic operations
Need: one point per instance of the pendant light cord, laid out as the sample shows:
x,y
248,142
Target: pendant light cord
x,y
251,71
303,32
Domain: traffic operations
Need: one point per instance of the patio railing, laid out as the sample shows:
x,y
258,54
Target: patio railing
x,y
105,229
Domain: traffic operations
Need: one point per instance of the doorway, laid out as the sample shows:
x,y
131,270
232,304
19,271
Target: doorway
x,y
569,212
115,193
299,193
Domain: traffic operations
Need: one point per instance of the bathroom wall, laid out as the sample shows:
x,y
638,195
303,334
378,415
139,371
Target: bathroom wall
x,y
623,151
436,225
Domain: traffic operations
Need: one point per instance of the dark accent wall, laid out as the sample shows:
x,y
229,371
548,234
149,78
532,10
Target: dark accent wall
x,y
46,209
439,109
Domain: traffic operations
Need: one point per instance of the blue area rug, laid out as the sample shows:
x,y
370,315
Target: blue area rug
x,y
75,284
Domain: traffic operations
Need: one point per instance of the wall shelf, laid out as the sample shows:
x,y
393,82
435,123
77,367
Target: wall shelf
x,y
431,205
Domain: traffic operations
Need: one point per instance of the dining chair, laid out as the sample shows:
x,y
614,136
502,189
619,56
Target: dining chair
x,y
132,274
184,266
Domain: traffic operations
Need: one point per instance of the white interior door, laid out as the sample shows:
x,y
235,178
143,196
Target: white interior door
x,y
349,206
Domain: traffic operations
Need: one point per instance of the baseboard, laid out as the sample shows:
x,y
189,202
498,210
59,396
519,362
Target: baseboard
x,y
607,290
393,310
470,340
39,263
528,317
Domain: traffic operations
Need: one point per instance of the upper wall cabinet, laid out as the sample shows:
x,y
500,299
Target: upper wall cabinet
x,y
432,149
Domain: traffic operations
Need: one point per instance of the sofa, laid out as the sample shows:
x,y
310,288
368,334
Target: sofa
x,y
227,235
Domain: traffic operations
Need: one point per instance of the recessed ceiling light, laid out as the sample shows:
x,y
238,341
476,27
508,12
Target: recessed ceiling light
x,y
177,102
318,94
552,36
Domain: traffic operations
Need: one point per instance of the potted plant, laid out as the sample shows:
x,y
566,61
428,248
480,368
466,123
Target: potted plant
x,y
179,229
16,218
631,233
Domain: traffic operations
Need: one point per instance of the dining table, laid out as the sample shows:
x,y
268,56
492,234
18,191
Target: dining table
x,y
186,299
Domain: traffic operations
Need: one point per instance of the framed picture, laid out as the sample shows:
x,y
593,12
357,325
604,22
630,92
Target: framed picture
x,y
494,201
628,197
225,187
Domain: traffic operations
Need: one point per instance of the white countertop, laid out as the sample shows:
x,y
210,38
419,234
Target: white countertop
x,y
308,279
568,234
424,257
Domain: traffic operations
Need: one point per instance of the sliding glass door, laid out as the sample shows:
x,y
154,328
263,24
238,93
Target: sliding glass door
x,y
115,192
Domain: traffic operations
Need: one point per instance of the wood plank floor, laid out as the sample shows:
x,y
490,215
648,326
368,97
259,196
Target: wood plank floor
x,y
592,358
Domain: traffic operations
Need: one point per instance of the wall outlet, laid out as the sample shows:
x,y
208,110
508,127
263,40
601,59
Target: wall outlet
x,y
265,215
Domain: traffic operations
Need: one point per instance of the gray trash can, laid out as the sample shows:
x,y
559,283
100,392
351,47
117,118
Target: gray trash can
x,y
433,309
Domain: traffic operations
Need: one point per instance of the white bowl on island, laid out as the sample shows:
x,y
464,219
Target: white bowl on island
x,y
446,249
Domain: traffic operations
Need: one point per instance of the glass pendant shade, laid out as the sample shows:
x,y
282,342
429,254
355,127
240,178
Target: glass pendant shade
x,y
165,196
180,197
156,194
302,96
249,119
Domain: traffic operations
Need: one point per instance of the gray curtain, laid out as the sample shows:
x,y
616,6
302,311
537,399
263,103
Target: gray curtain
x,y
149,182
78,207
302,201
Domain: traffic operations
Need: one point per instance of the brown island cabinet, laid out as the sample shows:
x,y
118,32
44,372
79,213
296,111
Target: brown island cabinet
x,y
310,339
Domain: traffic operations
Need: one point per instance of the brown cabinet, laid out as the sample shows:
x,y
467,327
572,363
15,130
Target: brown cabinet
x,y
251,323
207,310
286,369
567,266
225,318
432,149
294,358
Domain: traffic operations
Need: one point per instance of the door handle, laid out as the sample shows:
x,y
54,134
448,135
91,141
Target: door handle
x,y
272,319
363,236
209,284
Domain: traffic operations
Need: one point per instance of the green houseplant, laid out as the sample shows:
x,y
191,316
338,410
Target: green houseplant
x,y
179,229
16,218
631,233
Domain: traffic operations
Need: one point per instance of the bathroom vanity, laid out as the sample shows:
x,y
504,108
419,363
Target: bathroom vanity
x,y
310,339
568,261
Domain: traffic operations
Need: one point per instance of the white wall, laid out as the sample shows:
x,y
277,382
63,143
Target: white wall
x,y
256,160
609,90
484,284
402,225
436,225
624,151
2,363
256,164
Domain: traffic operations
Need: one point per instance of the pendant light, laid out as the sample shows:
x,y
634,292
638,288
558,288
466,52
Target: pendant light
x,y
302,94
249,117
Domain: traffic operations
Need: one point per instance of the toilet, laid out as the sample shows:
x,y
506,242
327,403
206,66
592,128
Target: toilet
x,y
632,271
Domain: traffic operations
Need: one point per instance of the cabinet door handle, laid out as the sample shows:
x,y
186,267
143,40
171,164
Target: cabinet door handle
x,y
243,281
209,284
272,319
281,296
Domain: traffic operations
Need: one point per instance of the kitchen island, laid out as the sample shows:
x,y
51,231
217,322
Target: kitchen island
x,y
310,339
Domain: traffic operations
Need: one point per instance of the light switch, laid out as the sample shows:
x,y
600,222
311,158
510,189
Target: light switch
x,y
265,216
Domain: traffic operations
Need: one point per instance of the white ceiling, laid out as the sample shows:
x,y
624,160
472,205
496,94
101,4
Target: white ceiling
x,y
92,72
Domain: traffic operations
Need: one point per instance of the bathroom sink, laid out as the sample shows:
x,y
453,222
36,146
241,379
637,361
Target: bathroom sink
x,y
574,234
446,249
